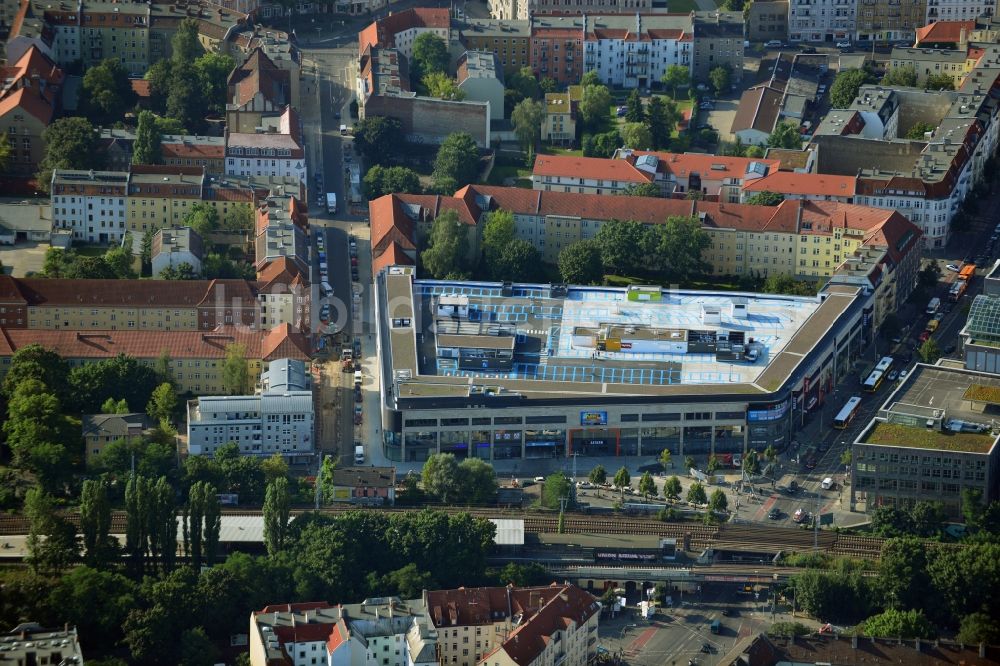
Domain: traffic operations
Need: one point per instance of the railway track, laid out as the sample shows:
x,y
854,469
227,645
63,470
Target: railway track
x,y
739,537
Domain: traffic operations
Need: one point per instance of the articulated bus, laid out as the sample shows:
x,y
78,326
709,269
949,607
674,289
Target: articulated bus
x,y
873,382
846,415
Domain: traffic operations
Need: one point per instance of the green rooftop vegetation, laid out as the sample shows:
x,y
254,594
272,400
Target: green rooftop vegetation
x,y
894,434
981,393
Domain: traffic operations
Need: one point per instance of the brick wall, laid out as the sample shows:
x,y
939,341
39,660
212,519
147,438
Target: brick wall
x,y
427,120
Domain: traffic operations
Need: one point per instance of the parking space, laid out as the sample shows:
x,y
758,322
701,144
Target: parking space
x,y
721,117
23,259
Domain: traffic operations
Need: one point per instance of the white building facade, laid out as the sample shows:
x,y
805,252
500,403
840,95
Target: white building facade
x,y
90,203
822,20
279,420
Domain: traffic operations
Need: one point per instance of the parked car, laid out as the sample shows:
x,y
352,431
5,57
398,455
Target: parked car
x,y
774,514
950,349
923,336
773,44
893,375
358,396
808,49
902,374
843,45
953,267
706,106
621,111
800,516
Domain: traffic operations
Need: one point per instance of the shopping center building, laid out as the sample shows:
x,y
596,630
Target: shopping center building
x,y
518,371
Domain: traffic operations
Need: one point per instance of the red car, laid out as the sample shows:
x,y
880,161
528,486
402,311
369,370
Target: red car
x,y
923,336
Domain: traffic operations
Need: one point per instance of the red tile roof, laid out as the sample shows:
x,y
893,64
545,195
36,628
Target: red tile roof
x,y
141,87
281,271
143,293
382,32
389,223
394,255
139,344
26,92
711,167
597,168
787,182
944,31
192,149
283,341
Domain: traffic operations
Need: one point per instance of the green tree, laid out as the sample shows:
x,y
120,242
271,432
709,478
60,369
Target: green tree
x,y
979,629
696,494
929,351
477,482
95,524
918,131
35,429
441,477
713,465
785,135
845,87
899,624
70,143
186,101
159,76
94,383
939,82
107,94
51,542
35,362
642,190
378,138
213,72
672,488
590,78
621,481
430,54
662,119
595,106
622,246
676,76
4,152
203,218
442,86
598,475
680,242
929,275
380,180
95,602
580,263
765,198
112,406
524,83
457,162
689,462
754,151
666,459
647,487
236,370
275,467
718,502
783,283
636,136
635,112
601,145
556,489
324,482
751,463
900,76
239,218
527,117
447,253
561,522
276,506
184,45
196,649
902,574
119,261
721,78
163,403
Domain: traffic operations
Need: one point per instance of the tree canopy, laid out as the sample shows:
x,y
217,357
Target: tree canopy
x,y
845,87
70,143
380,180
457,162
107,95
447,252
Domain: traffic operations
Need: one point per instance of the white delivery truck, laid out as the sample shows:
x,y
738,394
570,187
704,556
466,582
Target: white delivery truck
x,y
331,202
359,454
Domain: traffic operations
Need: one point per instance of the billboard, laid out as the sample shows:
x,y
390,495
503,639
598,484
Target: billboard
x,y
593,418
768,412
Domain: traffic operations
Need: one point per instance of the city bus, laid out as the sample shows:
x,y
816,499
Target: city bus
x,y
884,364
846,415
874,381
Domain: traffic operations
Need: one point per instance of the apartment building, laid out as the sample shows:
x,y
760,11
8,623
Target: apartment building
x,y
767,20
275,150
99,430
174,247
824,20
925,180
890,20
135,34
718,42
398,30
282,232
933,62
958,10
30,643
284,294
812,186
175,150
942,34
509,40
635,51
161,196
805,239
559,125
196,357
532,626
129,305
934,438
480,77
278,420
556,48
29,99
90,204
716,177
257,88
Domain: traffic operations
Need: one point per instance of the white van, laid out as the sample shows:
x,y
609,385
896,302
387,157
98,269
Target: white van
x,y
343,130
357,378
327,289
359,454
827,483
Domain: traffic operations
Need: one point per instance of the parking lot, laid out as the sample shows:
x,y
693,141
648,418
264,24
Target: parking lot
x,y
23,259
